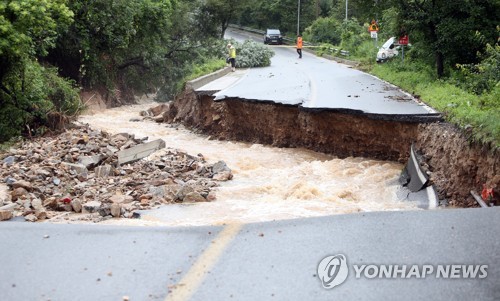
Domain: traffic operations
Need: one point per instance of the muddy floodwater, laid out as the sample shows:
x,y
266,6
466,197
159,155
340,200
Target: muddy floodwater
x,y
269,183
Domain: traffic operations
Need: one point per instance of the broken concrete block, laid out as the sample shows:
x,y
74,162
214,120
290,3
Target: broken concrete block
x,y
91,207
193,197
23,184
103,171
90,161
140,151
116,210
77,168
41,214
5,215
76,205
37,204
30,218
183,191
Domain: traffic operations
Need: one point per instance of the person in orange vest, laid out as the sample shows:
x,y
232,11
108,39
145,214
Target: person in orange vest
x,y
299,46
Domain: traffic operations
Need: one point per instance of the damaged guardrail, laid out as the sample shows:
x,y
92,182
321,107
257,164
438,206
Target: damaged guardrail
x,y
417,182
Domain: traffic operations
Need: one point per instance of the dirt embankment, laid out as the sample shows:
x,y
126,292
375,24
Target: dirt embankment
x,y
456,166
288,126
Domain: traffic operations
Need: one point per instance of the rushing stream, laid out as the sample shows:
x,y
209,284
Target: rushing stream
x,y
269,183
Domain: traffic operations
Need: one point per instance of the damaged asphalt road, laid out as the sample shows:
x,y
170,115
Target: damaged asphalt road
x,y
263,261
315,83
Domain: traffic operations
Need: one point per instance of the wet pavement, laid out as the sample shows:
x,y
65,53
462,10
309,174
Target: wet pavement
x,y
316,83
260,261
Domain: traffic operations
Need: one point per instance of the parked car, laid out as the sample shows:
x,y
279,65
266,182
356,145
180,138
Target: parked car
x,y
388,50
273,36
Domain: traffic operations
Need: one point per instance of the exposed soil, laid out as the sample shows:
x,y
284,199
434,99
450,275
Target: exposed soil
x,y
288,126
456,167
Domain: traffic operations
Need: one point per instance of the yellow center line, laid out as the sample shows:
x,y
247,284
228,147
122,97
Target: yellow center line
x,y
188,285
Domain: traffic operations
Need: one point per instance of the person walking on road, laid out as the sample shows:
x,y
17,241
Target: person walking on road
x,y
299,46
232,56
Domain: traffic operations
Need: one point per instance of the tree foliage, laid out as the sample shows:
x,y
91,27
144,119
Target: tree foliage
x,y
281,14
28,29
125,47
221,12
252,54
324,30
129,47
448,28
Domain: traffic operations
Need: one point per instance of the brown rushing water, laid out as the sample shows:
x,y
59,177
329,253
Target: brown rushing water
x,y
269,183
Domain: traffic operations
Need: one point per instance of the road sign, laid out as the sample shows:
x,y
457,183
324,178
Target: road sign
x,y
403,40
373,34
373,26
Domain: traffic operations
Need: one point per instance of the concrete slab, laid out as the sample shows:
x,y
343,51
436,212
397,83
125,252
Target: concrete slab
x,y
140,151
226,80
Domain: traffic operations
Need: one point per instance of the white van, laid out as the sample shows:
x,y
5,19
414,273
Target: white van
x,y
388,50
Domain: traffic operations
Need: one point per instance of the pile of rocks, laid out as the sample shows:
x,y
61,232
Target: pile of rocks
x,y
78,172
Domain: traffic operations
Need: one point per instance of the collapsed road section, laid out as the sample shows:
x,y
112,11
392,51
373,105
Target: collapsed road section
x,y
452,163
287,123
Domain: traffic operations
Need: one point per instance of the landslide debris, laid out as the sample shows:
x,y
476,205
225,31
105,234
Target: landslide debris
x,y
78,172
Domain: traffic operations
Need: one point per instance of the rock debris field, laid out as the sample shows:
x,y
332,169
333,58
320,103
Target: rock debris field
x,y
89,175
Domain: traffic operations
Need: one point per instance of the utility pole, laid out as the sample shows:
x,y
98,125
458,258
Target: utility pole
x,y
298,17
346,2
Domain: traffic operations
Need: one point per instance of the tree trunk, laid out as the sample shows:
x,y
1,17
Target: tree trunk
x,y
439,63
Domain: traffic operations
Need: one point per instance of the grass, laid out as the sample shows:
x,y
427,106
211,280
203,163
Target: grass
x,y
208,67
477,115
5,146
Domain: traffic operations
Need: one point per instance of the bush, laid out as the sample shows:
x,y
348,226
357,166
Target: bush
x,y
326,48
252,54
324,30
366,53
483,77
62,93
36,93
353,35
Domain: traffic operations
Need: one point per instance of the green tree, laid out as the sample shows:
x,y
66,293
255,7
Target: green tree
x,y
324,30
130,47
448,28
28,29
222,12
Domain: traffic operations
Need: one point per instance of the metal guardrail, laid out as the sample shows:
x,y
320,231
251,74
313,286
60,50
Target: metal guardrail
x,y
287,40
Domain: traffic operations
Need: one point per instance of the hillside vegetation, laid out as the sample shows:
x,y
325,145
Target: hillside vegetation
x,y
50,50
